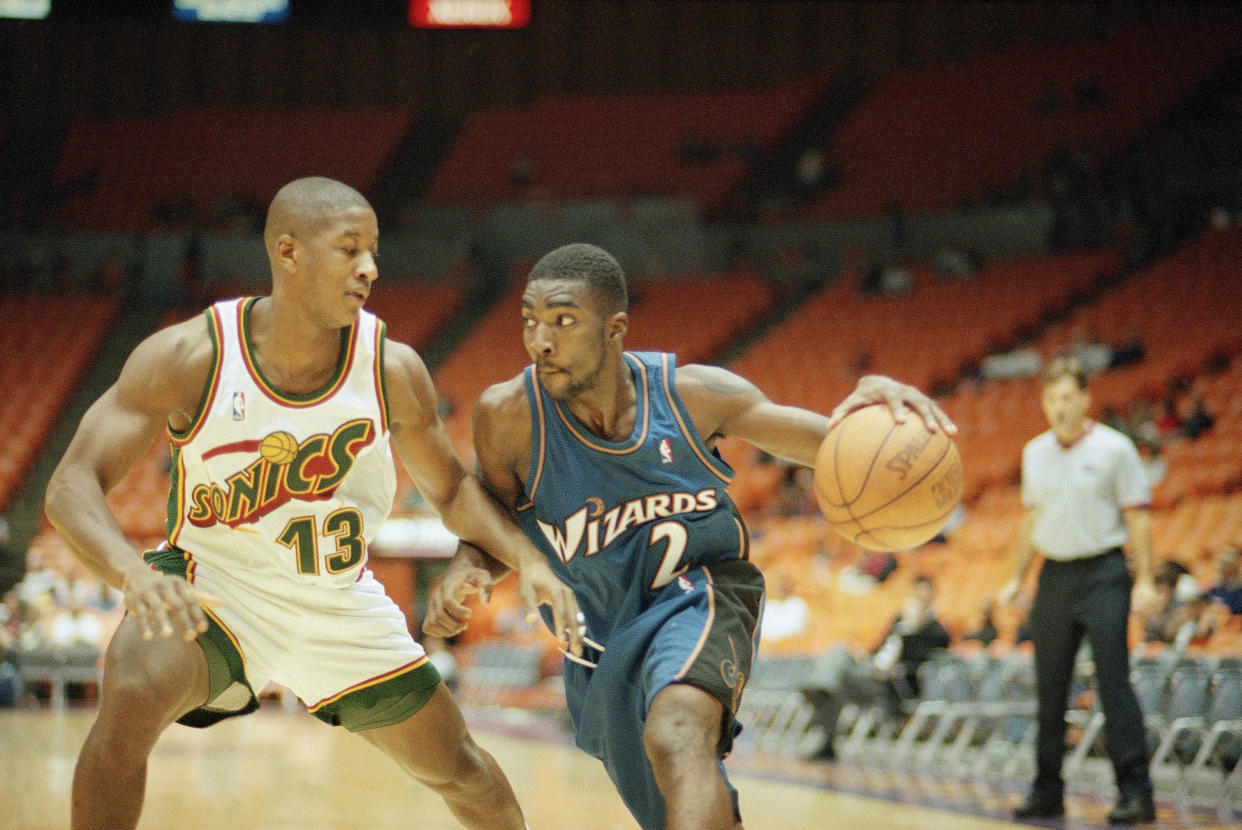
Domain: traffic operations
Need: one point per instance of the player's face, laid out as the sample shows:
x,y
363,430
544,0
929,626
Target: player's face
x,y
565,335
339,265
1065,407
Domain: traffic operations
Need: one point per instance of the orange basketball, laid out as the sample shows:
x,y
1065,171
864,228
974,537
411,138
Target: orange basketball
x,y
884,485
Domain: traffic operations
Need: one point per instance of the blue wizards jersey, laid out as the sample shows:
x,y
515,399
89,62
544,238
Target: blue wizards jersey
x,y
620,520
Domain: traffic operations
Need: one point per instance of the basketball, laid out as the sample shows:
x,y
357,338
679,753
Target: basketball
x,y
278,448
887,486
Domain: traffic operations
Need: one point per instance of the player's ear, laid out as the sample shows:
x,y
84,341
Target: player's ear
x,y
618,325
287,253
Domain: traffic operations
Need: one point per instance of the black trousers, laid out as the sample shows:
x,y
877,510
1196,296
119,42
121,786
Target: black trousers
x,y
1086,597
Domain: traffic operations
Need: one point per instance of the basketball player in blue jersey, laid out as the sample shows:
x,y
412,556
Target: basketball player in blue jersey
x,y
282,413
607,459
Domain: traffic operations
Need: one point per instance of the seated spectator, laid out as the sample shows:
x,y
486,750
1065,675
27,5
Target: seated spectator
x,y
76,627
1228,587
986,633
1023,361
1130,351
1168,424
886,677
870,569
1153,462
785,613
1197,420
1168,613
1093,353
440,654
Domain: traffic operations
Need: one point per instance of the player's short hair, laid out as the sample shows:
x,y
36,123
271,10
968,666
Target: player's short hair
x,y
587,264
307,201
1065,367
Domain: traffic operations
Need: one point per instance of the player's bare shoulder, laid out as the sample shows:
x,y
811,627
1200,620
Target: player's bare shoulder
x,y
170,369
411,397
503,408
502,426
713,395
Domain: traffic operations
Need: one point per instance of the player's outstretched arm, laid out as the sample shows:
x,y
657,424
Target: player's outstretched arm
x,y
468,510
723,403
161,383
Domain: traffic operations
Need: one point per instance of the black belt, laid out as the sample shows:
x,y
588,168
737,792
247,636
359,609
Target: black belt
x,y
1091,557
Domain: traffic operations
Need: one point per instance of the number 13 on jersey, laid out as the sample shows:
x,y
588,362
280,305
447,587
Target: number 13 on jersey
x,y
341,531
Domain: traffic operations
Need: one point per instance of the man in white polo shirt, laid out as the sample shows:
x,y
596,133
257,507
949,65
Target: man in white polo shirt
x,y
1086,496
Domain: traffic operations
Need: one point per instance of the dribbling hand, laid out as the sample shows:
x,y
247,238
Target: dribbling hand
x,y
897,396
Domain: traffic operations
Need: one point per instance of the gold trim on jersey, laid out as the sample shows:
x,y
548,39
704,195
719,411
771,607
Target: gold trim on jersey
x,y
215,330
408,667
685,430
344,361
640,384
707,626
190,568
543,441
381,388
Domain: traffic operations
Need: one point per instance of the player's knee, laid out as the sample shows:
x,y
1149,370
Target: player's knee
x,y
146,683
680,726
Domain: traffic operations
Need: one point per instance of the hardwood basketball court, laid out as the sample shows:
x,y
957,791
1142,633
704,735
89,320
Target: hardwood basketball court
x,y
281,769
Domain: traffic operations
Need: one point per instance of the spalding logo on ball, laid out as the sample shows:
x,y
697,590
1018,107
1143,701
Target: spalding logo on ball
x,y
884,485
278,448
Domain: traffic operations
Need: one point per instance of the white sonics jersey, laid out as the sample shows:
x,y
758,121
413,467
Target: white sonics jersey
x,y
292,486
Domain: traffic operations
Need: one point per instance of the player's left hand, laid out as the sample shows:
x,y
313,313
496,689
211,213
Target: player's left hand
x,y
538,585
447,612
897,396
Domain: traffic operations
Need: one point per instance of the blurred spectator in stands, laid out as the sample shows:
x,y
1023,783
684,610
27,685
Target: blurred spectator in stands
x,y
795,496
986,633
1168,424
785,612
886,677
14,622
1197,420
1168,612
1228,587
1093,353
1110,417
870,569
1129,351
1153,462
75,627
1023,361
952,261
1142,424
440,654
811,174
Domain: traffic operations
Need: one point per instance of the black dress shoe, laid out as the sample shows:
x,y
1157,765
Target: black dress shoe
x,y
824,753
1040,806
1133,809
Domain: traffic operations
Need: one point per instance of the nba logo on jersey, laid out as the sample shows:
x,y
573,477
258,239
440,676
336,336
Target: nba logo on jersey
x,y
666,451
239,406
685,584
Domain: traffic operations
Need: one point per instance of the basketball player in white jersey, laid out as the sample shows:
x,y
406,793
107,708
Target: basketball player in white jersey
x,y
282,413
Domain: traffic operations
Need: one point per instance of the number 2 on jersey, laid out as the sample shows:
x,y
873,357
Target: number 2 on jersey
x,y
676,535
345,525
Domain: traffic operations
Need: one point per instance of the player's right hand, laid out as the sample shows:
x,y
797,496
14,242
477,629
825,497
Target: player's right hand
x,y
165,604
447,612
